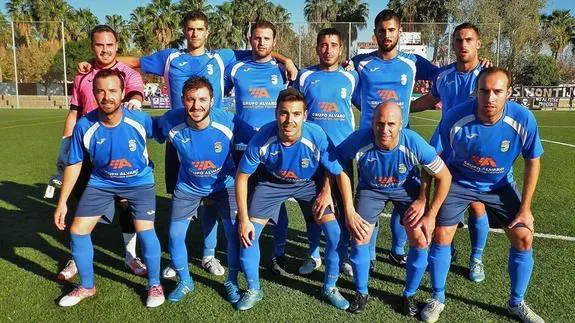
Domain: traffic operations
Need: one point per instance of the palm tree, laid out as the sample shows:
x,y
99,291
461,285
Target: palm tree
x,y
79,23
141,27
559,29
21,13
120,25
320,10
51,13
227,35
185,6
164,21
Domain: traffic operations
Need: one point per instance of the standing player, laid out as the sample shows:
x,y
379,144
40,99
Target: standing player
x,y
202,136
387,158
486,135
257,82
389,75
104,46
293,153
455,83
328,89
114,139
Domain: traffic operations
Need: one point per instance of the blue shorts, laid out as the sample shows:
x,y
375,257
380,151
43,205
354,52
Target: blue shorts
x,y
369,203
268,197
223,203
501,204
96,201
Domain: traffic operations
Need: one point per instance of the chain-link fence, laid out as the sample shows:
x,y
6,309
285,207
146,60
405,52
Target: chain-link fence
x,y
32,65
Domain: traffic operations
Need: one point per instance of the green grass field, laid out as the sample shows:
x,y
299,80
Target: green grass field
x,y
32,250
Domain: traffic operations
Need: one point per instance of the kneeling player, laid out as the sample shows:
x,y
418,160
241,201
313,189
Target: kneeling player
x,y
114,139
202,138
292,152
387,159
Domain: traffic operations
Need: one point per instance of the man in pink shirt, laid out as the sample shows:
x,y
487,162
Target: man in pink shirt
x,y
104,46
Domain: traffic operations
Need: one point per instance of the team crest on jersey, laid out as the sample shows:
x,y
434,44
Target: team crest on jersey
x,y
305,163
343,92
210,69
504,146
132,145
402,168
218,146
274,79
403,79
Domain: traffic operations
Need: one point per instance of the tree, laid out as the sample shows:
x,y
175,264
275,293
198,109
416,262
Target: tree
x,y
120,25
227,35
76,52
21,12
320,10
155,26
542,71
5,39
559,30
50,14
79,23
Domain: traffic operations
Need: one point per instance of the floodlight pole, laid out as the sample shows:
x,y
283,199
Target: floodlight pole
x,y
64,60
498,41
299,47
349,41
15,66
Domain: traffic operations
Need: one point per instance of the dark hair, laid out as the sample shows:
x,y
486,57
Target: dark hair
x,y
493,70
386,15
109,72
328,32
263,24
194,15
290,95
466,25
197,82
102,29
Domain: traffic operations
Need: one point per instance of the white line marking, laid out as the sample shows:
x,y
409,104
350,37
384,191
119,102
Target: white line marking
x,y
26,120
422,118
30,124
537,234
558,143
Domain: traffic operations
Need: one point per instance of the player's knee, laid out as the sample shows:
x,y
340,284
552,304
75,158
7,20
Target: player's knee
x,y
444,235
477,209
521,238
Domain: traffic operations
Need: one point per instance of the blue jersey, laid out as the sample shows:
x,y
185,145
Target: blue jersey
x,y
481,156
119,154
388,170
206,165
177,66
454,87
388,80
298,162
328,97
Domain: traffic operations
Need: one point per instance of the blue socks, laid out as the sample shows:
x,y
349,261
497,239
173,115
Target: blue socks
x,y
439,262
280,231
373,242
233,250
360,264
313,236
83,254
520,267
478,231
151,251
344,239
415,269
332,232
210,230
398,235
250,259
177,248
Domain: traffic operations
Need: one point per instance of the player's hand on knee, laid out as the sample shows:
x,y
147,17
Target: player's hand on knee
x,y
427,225
525,217
247,233
414,213
84,67
322,202
358,227
60,216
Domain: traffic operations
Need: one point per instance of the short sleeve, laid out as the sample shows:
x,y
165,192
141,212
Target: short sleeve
x,y
76,154
156,62
424,69
532,147
134,83
75,103
228,79
328,156
251,158
427,156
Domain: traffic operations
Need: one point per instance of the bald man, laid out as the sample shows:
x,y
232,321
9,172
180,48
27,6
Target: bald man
x,y
387,158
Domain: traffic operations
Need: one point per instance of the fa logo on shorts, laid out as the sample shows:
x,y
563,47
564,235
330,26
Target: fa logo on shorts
x,y
132,145
403,79
218,146
274,79
210,69
343,93
305,163
402,168
504,146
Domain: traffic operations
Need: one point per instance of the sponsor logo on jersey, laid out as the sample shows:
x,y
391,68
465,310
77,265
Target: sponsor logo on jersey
x,y
288,174
373,69
100,141
132,145
204,165
402,168
247,69
151,212
259,92
314,82
120,163
483,161
274,153
218,146
185,140
304,162
504,147
182,63
403,79
328,107
274,79
387,95
210,69
371,160
343,93
386,180
471,135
